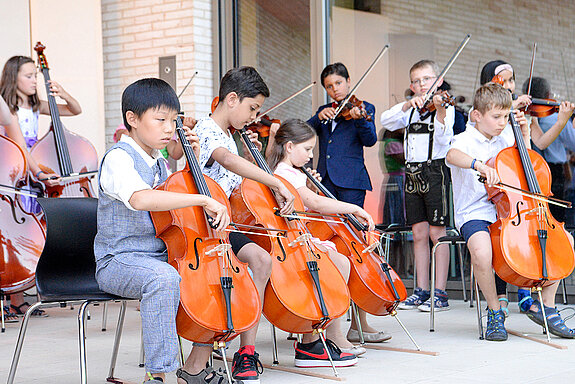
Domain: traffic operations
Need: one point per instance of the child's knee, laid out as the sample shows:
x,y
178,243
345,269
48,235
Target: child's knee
x,y
263,263
167,278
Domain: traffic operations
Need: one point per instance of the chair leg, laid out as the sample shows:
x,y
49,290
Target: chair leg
x,y
142,353
119,329
20,342
275,360
432,290
462,271
471,286
564,292
104,316
82,313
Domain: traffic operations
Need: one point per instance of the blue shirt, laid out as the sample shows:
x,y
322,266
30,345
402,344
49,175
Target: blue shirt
x,y
556,152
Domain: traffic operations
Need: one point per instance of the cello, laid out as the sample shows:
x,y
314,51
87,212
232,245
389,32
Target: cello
x,y
373,284
22,237
218,299
60,151
306,290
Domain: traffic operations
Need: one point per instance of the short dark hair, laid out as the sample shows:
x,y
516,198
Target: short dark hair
x,y
540,88
245,82
146,94
334,69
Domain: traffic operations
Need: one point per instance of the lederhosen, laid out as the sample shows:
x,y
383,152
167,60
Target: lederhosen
x,y
430,175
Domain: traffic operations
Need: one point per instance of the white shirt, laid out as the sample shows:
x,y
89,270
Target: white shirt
x,y
211,138
295,177
469,195
417,146
118,176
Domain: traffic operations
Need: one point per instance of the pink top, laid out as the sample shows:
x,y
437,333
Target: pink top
x,y
298,179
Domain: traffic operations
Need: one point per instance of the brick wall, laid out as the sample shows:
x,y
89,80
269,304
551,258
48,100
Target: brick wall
x,y
137,32
500,30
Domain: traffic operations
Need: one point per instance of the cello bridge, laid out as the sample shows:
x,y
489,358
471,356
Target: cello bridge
x,y
220,249
301,239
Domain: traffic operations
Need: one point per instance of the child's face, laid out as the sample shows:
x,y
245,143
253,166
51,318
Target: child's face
x,y
245,111
508,80
299,154
422,79
26,80
492,122
154,129
337,86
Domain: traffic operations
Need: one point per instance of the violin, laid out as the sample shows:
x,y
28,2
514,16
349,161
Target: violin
x,y
61,151
530,247
261,124
306,290
22,237
429,106
352,102
373,285
218,298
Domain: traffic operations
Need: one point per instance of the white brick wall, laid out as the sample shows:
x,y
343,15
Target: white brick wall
x,y
137,32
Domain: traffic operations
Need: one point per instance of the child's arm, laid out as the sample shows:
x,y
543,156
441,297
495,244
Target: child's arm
x,y
525,131
543,139
72,106
462,160
396,118
324,204
271,138
174,147
366,129
244,168
156,200
5,115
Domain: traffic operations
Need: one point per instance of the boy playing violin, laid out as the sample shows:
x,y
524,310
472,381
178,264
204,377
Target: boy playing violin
x,y
242,94
427,180
130,260
474,213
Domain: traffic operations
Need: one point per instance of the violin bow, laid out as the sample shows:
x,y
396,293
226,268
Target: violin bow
x,y
531,68
282,102
352,92
435,84
189,82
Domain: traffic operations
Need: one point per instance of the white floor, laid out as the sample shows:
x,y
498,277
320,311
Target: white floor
x,y
50,353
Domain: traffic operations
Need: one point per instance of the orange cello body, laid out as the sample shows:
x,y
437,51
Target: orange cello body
x,y
517,254
61,151
291,300
22,237
369,286
201,316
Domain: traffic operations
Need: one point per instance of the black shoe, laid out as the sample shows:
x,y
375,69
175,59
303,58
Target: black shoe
x,y
314,355
555,323
495,326
246,365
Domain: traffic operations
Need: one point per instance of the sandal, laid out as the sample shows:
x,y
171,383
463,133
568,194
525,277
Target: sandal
x,y
9,317
206,376
555,323
504,309
525,300
21,312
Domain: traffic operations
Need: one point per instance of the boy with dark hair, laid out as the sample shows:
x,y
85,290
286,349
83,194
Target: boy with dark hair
x,y
130,260
474,213
426,142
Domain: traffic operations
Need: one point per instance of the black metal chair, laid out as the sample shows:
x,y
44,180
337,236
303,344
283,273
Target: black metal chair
x,y
66,270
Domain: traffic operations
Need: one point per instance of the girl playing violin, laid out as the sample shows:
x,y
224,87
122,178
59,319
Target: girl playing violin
x,y
293,148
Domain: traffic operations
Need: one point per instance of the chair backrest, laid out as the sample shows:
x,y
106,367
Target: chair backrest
x,y
67,266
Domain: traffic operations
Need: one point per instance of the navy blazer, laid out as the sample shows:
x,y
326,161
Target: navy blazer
x,y
341,151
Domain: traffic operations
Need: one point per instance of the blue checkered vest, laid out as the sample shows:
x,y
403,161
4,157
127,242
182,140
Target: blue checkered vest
x,y
121,230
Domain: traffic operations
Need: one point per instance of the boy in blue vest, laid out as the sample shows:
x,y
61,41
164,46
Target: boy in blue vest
x,y
130,260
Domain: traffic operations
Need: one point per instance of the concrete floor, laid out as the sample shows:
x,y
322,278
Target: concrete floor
x,y
50,353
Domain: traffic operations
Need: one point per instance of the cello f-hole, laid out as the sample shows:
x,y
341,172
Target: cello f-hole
x,y
280,258
13,209
85,191
359,258
518,214
190,265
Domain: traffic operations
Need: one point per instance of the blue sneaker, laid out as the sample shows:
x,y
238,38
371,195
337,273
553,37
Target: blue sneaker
x,y
441,302
555,323
419,297
524,299
495,326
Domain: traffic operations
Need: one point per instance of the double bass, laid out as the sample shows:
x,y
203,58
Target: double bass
x,y
22,237
63,152
218,298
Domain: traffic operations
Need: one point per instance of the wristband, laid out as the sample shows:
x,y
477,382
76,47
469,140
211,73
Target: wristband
x,y
38,174
473,164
